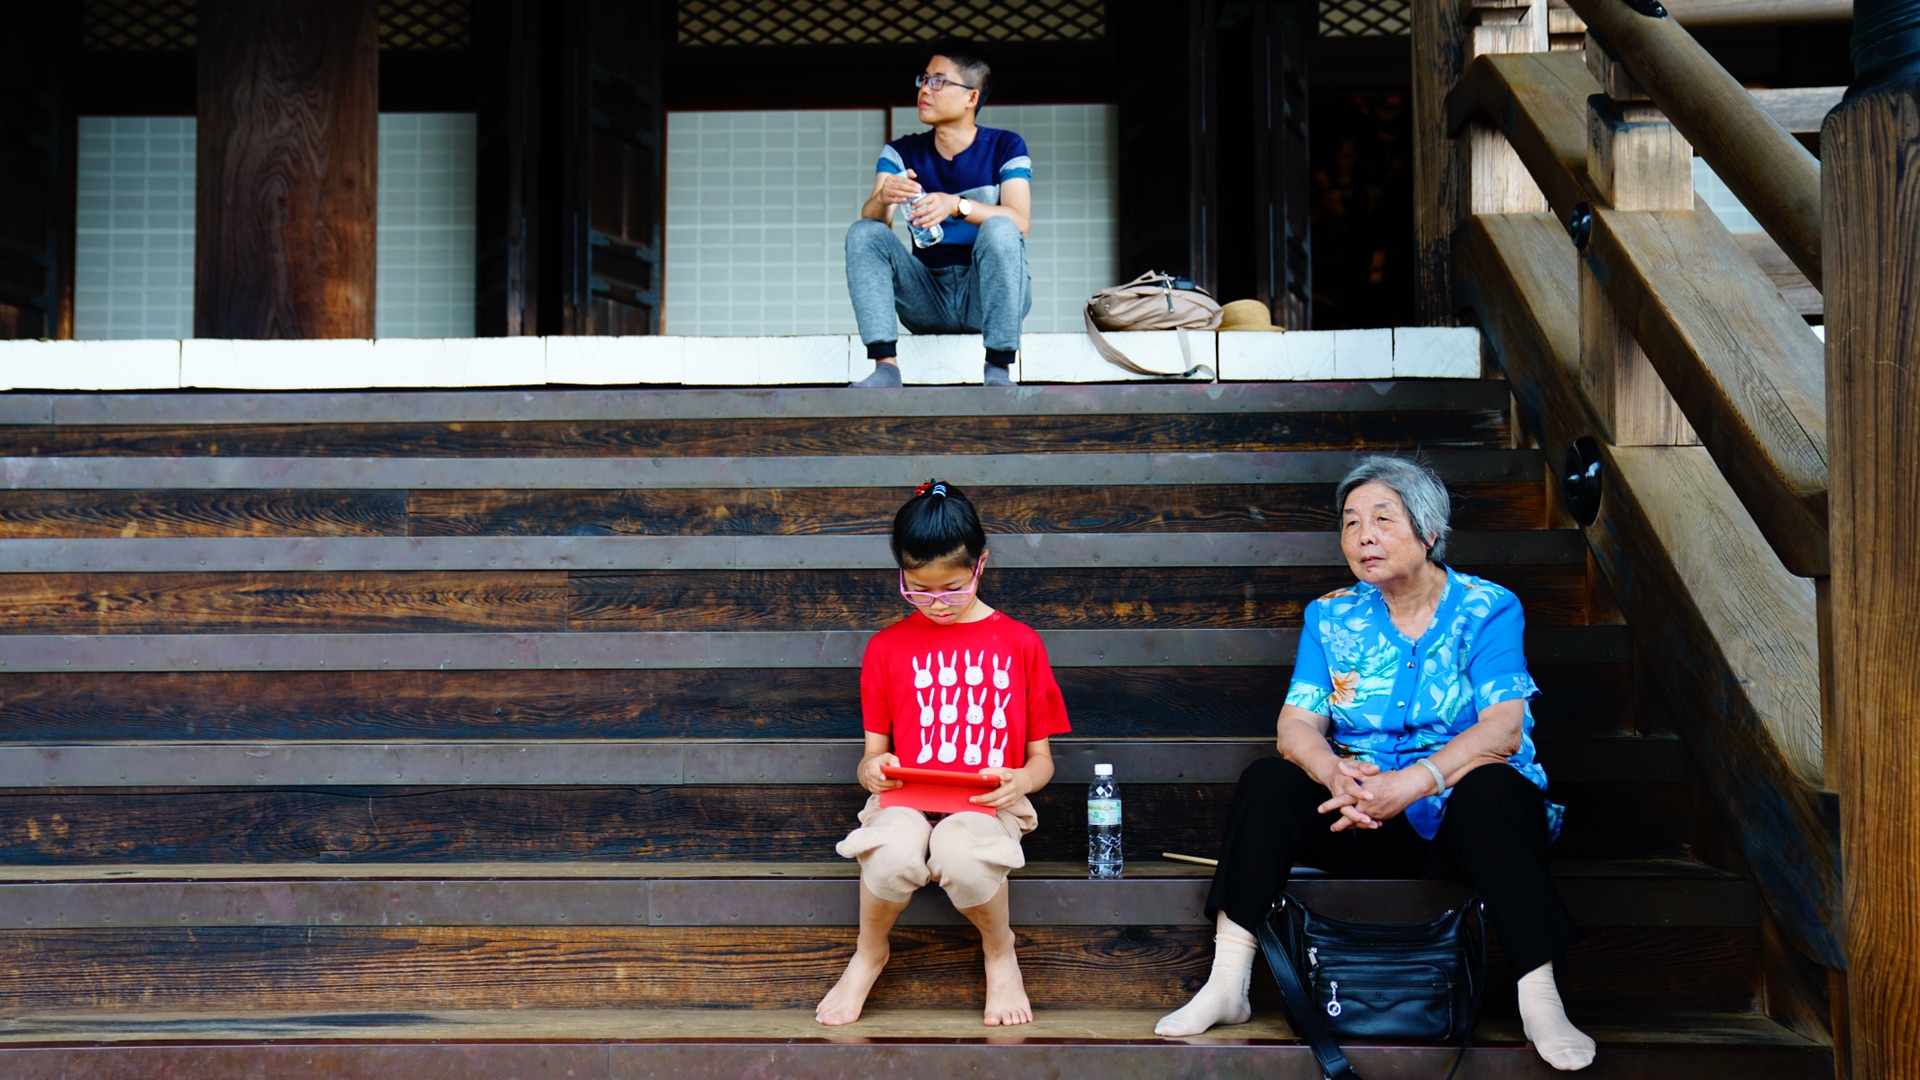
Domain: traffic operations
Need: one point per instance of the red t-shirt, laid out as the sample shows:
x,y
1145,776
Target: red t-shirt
x,y
960,697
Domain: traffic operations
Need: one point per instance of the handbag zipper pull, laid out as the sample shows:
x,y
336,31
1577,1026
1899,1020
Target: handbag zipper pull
x,y
1333,1002
1313,957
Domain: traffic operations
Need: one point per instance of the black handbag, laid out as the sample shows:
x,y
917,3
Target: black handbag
x,y
1341,980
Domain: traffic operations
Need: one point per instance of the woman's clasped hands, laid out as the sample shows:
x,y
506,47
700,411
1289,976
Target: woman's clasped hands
x,y
1367,797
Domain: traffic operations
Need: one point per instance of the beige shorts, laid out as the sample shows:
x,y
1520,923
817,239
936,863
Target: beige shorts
x,y
969,855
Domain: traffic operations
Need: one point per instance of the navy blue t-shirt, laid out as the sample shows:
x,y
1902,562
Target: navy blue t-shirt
x,y
976,173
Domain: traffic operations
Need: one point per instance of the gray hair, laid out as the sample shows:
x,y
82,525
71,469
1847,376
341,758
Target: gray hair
x,y
1420,491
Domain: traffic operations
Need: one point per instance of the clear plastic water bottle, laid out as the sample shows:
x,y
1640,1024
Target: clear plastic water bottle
x,y
928,236
1104,856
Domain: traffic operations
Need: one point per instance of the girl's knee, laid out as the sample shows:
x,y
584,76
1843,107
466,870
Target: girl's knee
x,y
971,855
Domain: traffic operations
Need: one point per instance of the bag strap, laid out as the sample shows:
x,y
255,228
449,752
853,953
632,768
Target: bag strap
x,y
1119,359
1476,977
1306,1021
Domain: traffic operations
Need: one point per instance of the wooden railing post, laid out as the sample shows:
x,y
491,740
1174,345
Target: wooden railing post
x,y
1635,161
1479,174
1871,213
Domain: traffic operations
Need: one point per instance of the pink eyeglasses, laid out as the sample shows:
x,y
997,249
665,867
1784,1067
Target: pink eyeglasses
x,y
951,599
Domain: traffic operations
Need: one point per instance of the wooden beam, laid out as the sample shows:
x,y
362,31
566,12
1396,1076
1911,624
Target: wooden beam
x,y
1742,365
1459,173
1759,12
1794,287
1872,200
288,154
1745,384
1733,631
1635,161
1774,176
1800,109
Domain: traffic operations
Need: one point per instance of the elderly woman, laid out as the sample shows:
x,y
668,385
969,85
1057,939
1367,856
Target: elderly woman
x,y
1405,749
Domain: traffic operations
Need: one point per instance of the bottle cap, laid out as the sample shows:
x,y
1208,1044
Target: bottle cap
x,y
1103,770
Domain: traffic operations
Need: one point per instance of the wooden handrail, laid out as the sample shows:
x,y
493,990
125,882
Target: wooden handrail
x,y
1730,632
1758,12
1749,382
1774,176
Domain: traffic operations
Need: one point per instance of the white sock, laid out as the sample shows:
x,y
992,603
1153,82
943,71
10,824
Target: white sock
x,y
1544,1019
1224,999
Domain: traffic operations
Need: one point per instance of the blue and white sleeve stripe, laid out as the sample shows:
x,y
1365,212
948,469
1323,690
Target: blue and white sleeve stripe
x,y
890,162
1019,168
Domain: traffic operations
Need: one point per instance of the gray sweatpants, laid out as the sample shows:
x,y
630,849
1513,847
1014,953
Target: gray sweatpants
x,y
989,297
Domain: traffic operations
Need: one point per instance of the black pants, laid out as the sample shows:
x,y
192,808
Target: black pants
x,y
1493,837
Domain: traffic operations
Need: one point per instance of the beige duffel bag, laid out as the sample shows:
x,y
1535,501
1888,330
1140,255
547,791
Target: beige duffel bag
x,y
1152,301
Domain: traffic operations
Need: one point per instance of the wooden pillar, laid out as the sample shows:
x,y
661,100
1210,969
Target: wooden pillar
x,y
1636,161
1870,195
1478,173
288,153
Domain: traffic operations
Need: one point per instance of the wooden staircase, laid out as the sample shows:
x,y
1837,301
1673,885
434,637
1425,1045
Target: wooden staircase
x,y
509,733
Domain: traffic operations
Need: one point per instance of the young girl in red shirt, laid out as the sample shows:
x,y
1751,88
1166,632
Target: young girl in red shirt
x,y
955,686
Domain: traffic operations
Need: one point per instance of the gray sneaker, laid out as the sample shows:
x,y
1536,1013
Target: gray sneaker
x,y
995,375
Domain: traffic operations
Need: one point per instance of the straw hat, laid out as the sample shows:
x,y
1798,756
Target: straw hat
x,y
1247,315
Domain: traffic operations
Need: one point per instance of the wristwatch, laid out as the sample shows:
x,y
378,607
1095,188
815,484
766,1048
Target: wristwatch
x,y
965,208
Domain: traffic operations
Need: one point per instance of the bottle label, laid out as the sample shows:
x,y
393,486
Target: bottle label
x,y
1103,811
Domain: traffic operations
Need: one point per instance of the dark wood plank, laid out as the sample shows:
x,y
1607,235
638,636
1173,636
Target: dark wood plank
x,y
405,969
814,511
757,437
1869,718
288,109
180,513
662,703
679,822
257,603
1052,598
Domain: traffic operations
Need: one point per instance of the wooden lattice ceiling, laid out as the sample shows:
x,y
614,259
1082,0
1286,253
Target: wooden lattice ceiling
x,y
1365,18
159,26
883,22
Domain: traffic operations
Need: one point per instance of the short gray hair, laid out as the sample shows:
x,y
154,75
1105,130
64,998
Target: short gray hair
x,y
1420,491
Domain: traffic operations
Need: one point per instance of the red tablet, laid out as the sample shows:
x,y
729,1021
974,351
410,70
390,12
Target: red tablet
x,y
936,792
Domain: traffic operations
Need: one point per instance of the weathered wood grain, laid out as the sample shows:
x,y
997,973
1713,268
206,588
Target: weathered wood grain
x,y
678,822
1729,629
405,969
1540,101
1741,364
758,437
1053,598
1872,209
45,515
266,603
1773,175
771,703
826,511
288,142
1793,285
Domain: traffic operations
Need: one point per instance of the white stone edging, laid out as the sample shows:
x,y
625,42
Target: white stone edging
x,y
820,359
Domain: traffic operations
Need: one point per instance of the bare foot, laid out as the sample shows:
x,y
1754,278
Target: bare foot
x,y
843,1003
1006,993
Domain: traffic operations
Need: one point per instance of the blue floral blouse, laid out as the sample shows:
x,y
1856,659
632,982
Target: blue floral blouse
x,y
1394,701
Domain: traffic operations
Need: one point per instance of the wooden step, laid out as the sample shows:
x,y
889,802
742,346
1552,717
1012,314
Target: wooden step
x,y
812,892
927,1040
60,705
128,937
465,407
273,511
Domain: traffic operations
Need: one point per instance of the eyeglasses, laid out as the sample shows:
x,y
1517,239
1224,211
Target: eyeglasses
x,y
938,82
951,599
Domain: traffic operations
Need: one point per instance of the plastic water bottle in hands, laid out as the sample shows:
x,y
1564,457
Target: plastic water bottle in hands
x,y
928,236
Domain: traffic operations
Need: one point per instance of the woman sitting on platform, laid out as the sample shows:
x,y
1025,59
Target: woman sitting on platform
x,y
1405,748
